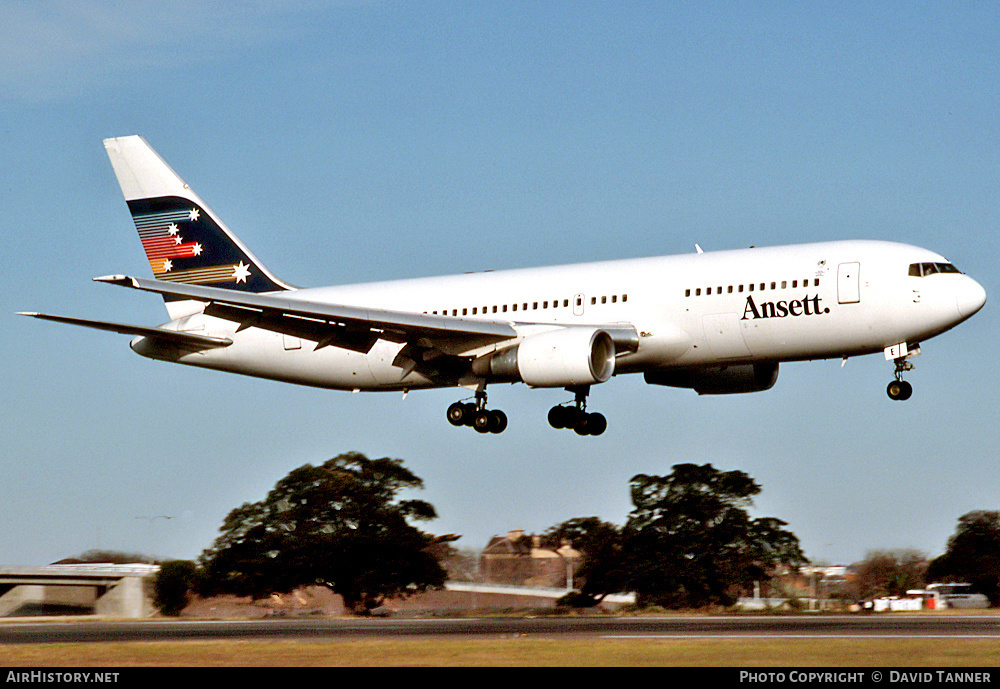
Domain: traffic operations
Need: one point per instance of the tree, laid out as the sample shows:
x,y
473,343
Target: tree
x,y
173,582
340,525
602,570
690,541
973,555
884,573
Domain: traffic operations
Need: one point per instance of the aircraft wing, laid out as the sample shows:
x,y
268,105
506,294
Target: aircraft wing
x,y
348,327
183,339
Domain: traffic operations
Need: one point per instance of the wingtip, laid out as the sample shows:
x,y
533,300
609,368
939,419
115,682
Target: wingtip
x,y
114,279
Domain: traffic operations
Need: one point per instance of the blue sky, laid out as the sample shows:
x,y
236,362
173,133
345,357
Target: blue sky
x,y
356,141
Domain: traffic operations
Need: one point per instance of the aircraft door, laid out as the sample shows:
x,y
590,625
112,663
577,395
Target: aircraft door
x,y
578,304
849,283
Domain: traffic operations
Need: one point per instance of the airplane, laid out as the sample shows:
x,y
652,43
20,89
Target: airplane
x,y
716,322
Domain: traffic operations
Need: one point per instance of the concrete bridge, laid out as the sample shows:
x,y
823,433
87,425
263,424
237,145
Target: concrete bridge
x,y
103,589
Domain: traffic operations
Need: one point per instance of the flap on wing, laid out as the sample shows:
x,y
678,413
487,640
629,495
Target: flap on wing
x,y
174,336
349,327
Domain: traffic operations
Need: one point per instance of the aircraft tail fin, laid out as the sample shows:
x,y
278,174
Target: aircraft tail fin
x,y
183,239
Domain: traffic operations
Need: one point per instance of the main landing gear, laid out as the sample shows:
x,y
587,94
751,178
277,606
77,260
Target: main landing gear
x,y
476,414
577,417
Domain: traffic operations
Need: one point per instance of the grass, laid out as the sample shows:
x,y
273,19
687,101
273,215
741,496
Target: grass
x,y
515,652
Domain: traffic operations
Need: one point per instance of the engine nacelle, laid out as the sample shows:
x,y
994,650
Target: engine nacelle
x,y
719,380
554,359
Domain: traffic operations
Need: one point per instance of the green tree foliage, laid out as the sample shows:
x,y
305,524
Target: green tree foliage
x,y
884,573
973,555
690,542
602,569
172,585
340,525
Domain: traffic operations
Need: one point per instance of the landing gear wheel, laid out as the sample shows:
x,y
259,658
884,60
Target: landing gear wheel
x,y
498,421
470,414
597,424
482,422
899,390
560,417
456,414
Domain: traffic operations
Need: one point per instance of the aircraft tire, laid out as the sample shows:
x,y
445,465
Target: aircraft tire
x,y
560,417
899,390
907,391
498,421
483,421
596,424
456,414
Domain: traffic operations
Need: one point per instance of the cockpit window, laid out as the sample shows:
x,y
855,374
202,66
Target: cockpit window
x,y
924,269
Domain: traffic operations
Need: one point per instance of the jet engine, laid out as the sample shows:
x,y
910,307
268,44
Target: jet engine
x,y
553,359
719,380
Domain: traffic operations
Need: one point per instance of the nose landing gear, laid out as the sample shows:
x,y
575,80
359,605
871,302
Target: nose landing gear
x,y
899,389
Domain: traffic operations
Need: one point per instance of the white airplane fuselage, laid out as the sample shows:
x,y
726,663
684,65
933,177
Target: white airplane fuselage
x,y
773,304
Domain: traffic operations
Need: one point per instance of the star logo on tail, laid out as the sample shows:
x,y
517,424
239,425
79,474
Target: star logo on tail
x,y
241,272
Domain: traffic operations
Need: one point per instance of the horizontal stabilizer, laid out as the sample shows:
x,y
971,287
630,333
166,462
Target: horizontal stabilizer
x,y
173,336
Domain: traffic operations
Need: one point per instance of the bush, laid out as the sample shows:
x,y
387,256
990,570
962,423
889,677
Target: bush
x,y
173,583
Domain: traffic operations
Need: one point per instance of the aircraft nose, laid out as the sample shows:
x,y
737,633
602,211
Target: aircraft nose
x,y
971,297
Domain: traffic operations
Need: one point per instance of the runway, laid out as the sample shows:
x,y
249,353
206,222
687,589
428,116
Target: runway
x,y
691,627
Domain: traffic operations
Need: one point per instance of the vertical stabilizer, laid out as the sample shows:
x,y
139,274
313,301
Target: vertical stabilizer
x,y
183,239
